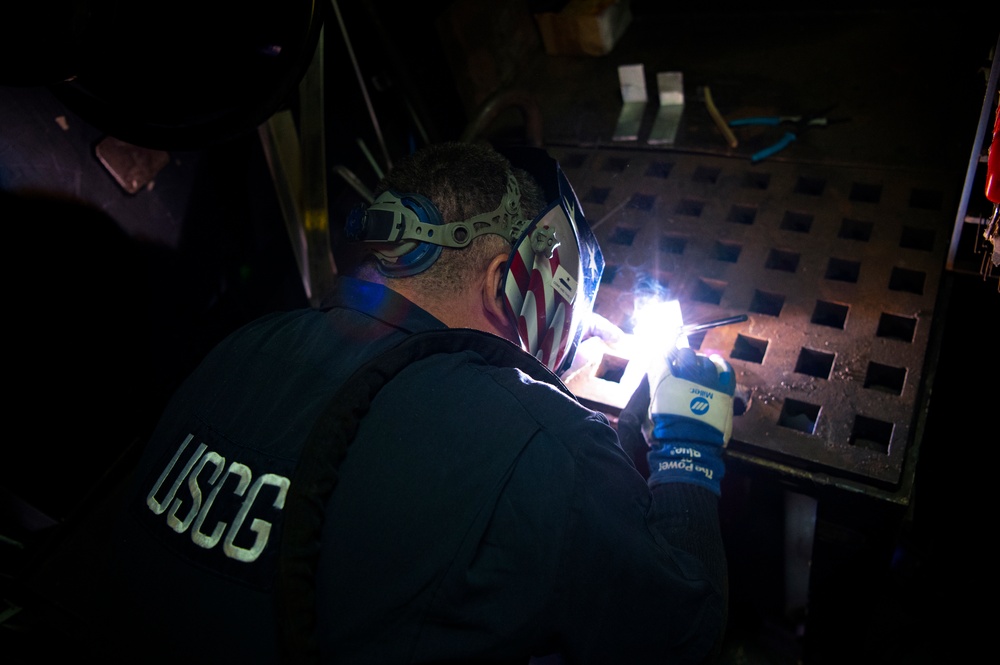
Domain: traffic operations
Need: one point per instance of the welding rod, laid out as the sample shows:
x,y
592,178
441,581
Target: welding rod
x,y
698,327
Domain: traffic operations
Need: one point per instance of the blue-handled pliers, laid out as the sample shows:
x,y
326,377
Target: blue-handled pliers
x,y
802,122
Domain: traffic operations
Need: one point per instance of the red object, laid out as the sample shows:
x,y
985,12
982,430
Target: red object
x,y
993,164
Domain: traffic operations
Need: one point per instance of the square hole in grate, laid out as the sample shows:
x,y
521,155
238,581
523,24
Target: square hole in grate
x,y
609,274
896,327
726,251
829,314
810,186
865,193
855,229
623,236
751,349
612,368
573,160
672,244
708,174
814,363
708,291
690,207
753,180
871,434
800,222
781,259
642,202
904,279
842,270
926,199
742,214
766,303
885,378
615,164
914,238
659,169
798,415
597,195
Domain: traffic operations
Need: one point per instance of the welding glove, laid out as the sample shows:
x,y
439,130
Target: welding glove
x,y
691,411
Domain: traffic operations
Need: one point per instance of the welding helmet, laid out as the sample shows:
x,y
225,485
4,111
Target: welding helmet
x,y
553,270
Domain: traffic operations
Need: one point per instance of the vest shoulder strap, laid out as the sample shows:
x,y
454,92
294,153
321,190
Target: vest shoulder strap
x,y
316,473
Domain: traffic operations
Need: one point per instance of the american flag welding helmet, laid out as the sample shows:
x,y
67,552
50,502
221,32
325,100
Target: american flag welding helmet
x,y
554,268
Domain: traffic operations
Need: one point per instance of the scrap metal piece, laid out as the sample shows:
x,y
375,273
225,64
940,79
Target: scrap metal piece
x,y
632,79
132,166
295,155
668,116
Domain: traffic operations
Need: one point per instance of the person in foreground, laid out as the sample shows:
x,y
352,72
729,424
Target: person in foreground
x,y
399,476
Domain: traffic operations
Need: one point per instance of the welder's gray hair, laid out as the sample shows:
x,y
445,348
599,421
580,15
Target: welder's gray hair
x,y
462,180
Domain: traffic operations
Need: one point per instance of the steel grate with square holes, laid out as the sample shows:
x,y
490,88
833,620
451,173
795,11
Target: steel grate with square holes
x,y
836,267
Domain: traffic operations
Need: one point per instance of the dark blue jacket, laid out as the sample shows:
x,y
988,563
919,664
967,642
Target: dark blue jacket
x,y
480,515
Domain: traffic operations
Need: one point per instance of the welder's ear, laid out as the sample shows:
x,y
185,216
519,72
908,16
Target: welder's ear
x,y
492,295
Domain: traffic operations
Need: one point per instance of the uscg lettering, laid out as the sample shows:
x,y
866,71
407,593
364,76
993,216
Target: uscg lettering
x,y
207,471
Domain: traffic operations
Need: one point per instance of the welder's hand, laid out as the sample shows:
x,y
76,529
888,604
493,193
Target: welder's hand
x,y
691,410
599,326
599,335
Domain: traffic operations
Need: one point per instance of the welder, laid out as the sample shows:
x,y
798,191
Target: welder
x,y
400,475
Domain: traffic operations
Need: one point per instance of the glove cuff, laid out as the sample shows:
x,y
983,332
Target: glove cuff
x,y
693,463
682,430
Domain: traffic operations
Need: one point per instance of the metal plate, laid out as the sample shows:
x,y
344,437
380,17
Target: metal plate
x,y
133,167
837,269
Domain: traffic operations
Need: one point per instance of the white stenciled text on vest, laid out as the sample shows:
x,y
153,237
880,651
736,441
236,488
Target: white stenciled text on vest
x,y
189,509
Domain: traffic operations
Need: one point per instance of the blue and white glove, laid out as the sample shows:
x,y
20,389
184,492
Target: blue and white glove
x,y
691,410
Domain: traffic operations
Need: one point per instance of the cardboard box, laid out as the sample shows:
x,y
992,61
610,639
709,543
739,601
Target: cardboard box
x,y
584,27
